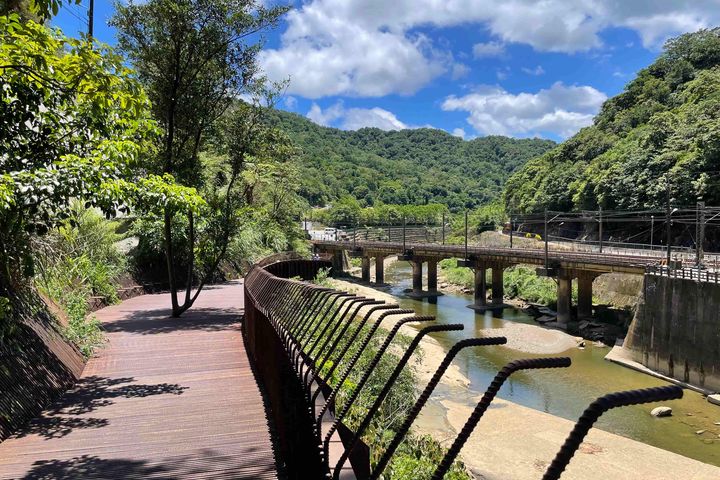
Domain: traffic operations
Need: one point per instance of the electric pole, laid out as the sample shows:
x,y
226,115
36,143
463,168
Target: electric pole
x,y
91,18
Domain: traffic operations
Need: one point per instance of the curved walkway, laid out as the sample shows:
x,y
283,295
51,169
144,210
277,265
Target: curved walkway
x,y
165,399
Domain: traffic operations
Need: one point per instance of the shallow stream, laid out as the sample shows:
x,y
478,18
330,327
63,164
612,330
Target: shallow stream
x,y
562,392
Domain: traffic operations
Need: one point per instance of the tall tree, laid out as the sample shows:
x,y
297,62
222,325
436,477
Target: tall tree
x,y
195,58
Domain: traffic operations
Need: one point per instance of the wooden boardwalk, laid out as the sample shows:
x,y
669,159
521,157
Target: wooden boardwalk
x,y
165,399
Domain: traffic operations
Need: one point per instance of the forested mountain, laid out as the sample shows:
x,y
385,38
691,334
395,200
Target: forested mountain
x,y
416,166
664,127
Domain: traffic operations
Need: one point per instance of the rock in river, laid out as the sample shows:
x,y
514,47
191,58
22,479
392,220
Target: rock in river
x,y
661,412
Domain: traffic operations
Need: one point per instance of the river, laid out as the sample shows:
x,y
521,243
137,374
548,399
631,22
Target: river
x,y
562,392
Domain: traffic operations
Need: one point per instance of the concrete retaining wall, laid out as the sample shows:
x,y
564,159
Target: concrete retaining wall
x,y
36,364
676,330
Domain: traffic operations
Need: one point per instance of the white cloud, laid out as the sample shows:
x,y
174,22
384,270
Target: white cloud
x,y
459,132
560,110
325,118
372,48
355,118
489,49
537,71
290,102
460,70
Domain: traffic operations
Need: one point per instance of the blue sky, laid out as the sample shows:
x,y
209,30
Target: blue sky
x,y
522,68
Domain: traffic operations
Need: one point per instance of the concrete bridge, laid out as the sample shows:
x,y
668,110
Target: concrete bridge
x,y
563,266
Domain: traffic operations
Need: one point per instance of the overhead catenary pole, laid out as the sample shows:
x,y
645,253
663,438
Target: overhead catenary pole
x,y
600,234
667,222
700,234
91,18
652,231
404,227
443,228
511,231
466,234
545,234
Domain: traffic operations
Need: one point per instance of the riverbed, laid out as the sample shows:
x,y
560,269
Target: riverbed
x,y
561,392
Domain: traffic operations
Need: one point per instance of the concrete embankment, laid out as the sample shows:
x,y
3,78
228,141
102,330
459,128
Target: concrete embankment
x,y
675,330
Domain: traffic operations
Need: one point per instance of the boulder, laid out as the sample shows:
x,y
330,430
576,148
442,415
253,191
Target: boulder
x,y
661,412
714,399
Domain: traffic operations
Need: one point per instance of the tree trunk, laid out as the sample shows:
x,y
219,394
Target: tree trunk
x,y
170,256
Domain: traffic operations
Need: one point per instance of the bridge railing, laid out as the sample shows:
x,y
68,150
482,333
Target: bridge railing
x,y
329,362
698,275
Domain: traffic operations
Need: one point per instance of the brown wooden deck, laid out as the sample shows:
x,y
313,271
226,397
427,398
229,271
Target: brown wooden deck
x,y
166,399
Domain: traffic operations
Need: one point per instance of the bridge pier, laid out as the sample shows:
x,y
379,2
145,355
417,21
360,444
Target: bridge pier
x,y
585,286
432,276
417,270
379,269
338,261
365,269
480,287
497,285
564,296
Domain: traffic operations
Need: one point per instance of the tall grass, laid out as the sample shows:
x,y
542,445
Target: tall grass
x,y
77,261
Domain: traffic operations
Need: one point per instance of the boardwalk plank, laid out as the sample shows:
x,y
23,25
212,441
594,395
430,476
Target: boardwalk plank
x,y
166,399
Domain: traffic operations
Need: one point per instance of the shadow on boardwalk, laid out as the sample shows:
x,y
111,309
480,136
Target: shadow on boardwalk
x,y
160,321
189,466
89,394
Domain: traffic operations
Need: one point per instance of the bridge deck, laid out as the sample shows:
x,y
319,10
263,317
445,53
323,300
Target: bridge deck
x,y
165,399
594,261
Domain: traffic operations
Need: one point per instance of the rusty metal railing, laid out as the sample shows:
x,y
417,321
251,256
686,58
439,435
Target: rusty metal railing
x,y
307,342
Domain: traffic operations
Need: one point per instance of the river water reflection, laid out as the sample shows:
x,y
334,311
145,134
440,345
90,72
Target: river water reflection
x,y
564,392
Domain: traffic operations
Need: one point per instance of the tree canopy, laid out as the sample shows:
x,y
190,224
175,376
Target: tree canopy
x,y
663,129
75,125
403,167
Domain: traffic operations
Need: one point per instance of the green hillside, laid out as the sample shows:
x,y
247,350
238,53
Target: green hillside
x,y
664,127
404,167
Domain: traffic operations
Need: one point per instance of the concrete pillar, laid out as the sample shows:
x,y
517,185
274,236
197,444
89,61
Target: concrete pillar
x,y
379,269
338,263
432,275
417,268
585,285
564,300
366,269
497,285
480,287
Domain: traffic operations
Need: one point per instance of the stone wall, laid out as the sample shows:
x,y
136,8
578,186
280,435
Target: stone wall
x,y
676,330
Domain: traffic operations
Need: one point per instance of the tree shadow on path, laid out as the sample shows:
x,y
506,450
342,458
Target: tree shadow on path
x,y
206,463
89,394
